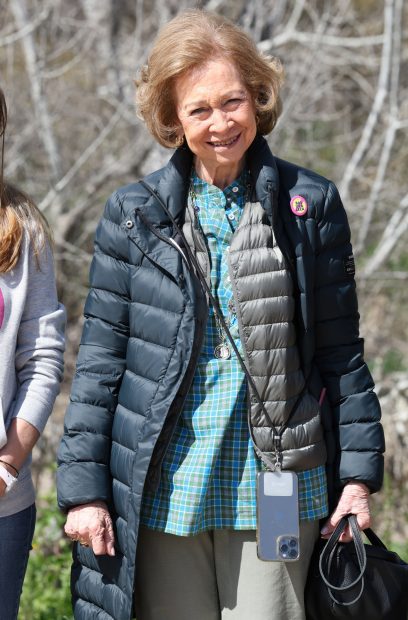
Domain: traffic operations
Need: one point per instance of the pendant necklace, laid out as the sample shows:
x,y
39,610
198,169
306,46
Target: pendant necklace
x,y
222,350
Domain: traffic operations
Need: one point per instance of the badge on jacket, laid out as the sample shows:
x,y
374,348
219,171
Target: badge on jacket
x,y
298,205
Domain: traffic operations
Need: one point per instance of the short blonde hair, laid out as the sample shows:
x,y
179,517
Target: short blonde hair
x,y
190,39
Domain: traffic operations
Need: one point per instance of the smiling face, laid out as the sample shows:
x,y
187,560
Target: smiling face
x,y
217,118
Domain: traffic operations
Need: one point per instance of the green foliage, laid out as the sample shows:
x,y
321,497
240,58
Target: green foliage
x,y
400,263
384,510
46,593
393,361
401,548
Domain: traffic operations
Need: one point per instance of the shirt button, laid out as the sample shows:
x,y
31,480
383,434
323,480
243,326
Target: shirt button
x,y
227,249
235,189
231,216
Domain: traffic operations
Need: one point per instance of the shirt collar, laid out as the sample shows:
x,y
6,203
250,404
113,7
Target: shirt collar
x,y
235,192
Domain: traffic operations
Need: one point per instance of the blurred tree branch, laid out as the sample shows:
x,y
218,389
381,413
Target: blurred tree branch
x,y
68,70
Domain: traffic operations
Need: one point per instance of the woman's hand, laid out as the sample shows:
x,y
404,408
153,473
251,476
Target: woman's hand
x,y
91,525
21,438
353,500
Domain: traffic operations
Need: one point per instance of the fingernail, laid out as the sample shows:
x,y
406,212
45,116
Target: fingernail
x,y
324,530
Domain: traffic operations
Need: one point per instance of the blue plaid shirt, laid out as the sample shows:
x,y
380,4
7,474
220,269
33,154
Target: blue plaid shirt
x,y
208,478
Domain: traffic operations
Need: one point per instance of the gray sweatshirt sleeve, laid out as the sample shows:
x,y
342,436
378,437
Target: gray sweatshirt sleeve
x,y
40,343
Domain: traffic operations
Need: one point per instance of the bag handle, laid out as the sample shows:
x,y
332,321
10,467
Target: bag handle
x,y
327,555
374,540
277,434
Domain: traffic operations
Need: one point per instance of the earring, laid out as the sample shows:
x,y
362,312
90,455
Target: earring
x,y
179,141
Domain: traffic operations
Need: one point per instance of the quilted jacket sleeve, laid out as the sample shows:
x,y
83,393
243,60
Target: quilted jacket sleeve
x,y
83,473
339,353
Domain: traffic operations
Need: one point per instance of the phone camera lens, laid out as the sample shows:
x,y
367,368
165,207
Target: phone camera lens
x,y
284,548
293,553
293,542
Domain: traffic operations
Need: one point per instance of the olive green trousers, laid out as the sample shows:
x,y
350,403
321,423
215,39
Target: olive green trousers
x,y
217,575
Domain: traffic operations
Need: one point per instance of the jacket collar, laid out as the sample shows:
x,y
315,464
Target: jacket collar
x,y
175,178
264,173
174,183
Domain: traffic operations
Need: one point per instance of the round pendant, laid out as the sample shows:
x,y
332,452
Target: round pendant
x,y
222,351
231,306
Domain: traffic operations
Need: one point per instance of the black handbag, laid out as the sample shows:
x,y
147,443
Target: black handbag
x,y
356,580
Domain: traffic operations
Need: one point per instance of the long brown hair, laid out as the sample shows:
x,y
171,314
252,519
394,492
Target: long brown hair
x,y
18,213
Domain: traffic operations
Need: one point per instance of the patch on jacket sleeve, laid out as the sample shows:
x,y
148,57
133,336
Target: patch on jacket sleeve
x,y
349,265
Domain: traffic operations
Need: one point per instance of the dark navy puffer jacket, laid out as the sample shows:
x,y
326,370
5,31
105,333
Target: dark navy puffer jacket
x,y
145,318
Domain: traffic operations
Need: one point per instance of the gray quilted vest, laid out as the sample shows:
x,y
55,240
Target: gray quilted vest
x,y
265,304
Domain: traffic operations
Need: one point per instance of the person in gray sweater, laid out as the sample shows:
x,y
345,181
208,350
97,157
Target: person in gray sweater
x,y
32,324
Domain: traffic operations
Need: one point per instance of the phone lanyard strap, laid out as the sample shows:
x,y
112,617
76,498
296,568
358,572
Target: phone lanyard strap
x,y
270,464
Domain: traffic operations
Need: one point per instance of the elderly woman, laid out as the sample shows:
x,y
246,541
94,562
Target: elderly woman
x,y
225,253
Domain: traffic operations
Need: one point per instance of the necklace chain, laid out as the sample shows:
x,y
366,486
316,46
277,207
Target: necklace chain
x,y
222,349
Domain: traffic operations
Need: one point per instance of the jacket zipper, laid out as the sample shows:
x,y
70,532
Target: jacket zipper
x,y
196,347
280,241
243,342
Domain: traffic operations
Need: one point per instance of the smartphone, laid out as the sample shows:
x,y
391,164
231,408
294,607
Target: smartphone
x,y
277,516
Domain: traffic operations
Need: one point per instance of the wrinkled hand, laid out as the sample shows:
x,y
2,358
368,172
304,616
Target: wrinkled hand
x,y
91,525
353,500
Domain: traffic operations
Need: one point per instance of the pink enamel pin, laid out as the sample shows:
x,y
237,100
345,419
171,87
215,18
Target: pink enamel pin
x,y
298,205
1,308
